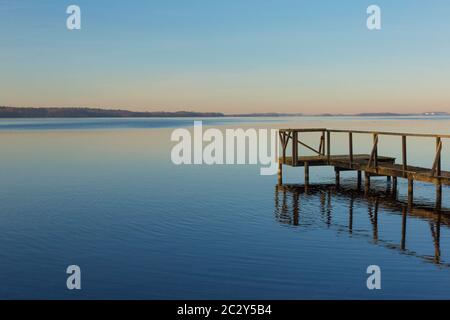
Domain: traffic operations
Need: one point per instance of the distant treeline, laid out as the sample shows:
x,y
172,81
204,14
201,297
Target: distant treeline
x,y
14,112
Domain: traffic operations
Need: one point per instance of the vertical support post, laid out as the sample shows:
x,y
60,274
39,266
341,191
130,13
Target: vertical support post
x,y
329,146
280,173
359,179
410,192
405,156
367,182
375,145
283,145
438,173
306,164
322,144
394,185
338,176
294,148
350,146
389,179
438,148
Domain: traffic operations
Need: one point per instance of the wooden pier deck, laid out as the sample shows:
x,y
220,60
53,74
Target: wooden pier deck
x,y
371,164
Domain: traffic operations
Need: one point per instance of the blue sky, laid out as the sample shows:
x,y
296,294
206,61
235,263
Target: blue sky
x,y
230,56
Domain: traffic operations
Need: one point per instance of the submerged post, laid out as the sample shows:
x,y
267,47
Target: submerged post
x,y
367,182
280,173
359,179
394,185
306,173
410,192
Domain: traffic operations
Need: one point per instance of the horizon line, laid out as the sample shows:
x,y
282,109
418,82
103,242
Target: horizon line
x,y
220,113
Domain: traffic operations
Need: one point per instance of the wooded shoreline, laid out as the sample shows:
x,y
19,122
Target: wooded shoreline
x,y
82,112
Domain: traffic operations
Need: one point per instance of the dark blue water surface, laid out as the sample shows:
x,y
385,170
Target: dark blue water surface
x,y
140,227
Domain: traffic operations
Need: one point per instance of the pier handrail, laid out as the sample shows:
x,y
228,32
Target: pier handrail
x,y
398,134
386,133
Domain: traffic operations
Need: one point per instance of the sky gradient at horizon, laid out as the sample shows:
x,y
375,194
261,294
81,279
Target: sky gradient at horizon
x,y
230,56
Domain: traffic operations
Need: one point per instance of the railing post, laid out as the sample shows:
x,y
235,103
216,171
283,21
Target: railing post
x,y
284,141
322,144
350,146
438,173
374,154
405,156
306,164
328,145
375,145
439,150
294,148
367,182
359,175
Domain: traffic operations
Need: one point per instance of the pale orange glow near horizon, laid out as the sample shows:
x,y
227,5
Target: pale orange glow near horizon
x,y
230,57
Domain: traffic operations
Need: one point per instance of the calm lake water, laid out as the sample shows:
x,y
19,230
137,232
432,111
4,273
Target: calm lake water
x,y
103,194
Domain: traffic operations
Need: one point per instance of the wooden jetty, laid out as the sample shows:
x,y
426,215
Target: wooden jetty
x,y
371,164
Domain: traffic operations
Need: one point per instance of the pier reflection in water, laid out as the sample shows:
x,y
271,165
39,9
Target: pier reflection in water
x,y
313,206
